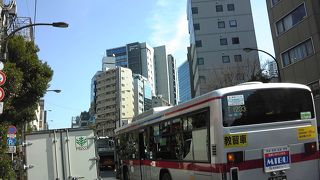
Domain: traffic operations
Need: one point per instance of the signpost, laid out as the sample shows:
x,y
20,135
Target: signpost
x,y
1,94
11,140
3,78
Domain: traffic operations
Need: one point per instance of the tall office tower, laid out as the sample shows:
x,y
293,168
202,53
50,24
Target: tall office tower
x,y
141,61
113,94
173,80
136,56
165,75
184,82
219,30
142,94
295,28
161,72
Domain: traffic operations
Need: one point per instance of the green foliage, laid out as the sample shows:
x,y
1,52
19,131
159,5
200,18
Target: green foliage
x,y
6,169
27,81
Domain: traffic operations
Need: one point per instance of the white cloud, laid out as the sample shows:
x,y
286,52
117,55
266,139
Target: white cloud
x,y
170,27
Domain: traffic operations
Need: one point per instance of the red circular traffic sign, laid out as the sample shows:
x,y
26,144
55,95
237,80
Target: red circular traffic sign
x,y
1,94
2,78
12,130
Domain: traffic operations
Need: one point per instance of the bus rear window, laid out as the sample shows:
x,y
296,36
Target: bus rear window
x,y
266,106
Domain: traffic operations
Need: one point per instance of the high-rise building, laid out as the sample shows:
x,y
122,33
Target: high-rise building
x,y
40,123
113,99
165,75
141,61
161,72
219,30
142,94
273,71
173,80
108,62
295,28
152,63
184,82
136,56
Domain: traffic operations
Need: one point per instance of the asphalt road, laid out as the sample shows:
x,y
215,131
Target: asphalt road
x,y
108,175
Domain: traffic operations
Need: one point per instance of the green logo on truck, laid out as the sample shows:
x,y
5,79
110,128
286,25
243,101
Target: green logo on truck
x,y
81,143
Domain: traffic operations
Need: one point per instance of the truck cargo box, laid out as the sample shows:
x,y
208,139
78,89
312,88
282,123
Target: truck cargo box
x,y
61,154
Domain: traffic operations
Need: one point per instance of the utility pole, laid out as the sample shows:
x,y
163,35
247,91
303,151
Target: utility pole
x,y
8,13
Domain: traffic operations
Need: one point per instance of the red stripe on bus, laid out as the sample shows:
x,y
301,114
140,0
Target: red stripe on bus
x,y
196,104
217,168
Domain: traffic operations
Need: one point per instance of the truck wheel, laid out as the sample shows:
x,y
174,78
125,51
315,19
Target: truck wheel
x,y
166,176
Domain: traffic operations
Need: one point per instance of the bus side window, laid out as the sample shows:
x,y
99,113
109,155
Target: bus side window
x,y
176,144
153,141
200,136
133,146
164,151
187,136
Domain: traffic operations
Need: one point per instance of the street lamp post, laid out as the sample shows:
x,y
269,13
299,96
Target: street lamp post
x,y
54,90
254,49
5,39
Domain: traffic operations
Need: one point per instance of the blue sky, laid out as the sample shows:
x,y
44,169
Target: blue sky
x,y
75,53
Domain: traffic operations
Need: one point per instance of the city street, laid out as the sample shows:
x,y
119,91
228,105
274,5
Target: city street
x,y
107,175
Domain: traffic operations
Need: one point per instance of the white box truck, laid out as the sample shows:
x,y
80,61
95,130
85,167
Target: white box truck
x,y
61,154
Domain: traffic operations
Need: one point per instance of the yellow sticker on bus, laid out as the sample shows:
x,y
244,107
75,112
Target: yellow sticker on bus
x,y
306,133
235,140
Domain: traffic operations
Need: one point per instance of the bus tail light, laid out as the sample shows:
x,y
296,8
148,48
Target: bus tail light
x,y
235,157
310,148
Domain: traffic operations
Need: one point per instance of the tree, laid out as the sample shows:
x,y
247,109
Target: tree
x,y
6,168
244,71
27,81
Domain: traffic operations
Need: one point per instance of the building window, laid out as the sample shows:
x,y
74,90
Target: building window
x,y
200,61
221,24
291,19
237,58
225,59
196,26
230,7
194,10
297,53
235,40
219,8
223,41
233,23
198,43
274,2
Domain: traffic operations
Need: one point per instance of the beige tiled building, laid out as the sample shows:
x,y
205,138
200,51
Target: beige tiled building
x,y
113,99
295,27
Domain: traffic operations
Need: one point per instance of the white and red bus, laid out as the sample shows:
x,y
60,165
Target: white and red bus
x,y
249,131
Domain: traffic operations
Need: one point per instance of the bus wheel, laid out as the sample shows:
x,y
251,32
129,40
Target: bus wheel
x,y
166,176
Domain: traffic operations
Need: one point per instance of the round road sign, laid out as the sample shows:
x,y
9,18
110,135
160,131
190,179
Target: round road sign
x,y
12,130
2,78
1,94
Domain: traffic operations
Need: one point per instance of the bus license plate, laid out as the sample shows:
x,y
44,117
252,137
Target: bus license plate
x,y
276,158
278,178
